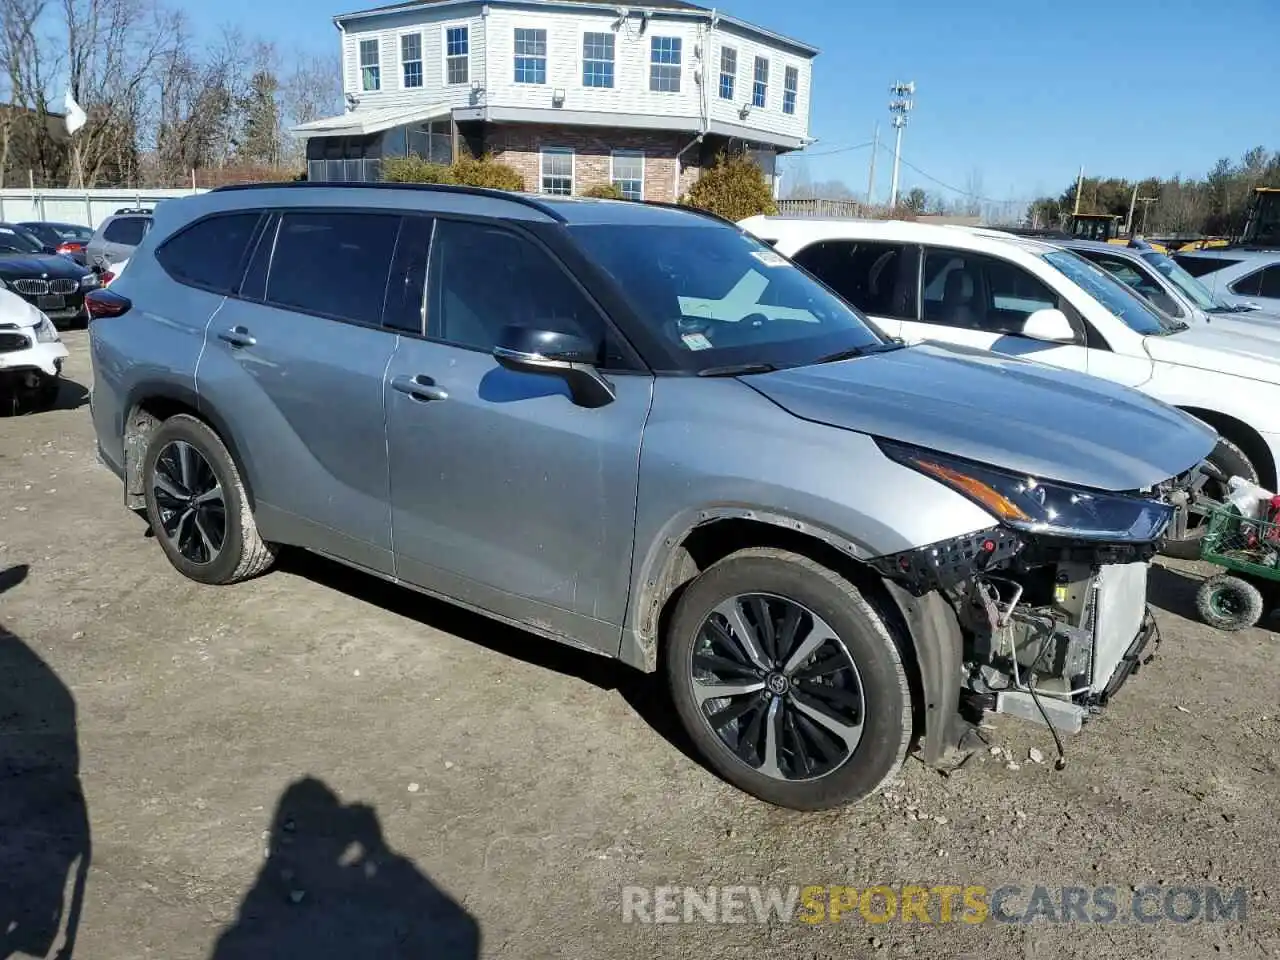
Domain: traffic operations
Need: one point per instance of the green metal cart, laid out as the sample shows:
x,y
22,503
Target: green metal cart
x,y
1249,550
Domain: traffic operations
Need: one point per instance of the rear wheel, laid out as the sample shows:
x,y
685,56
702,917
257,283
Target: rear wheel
x,y
1226,461
1229,603
788,681
197,506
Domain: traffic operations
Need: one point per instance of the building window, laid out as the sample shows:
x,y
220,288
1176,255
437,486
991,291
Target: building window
x,y
626,172
790,85
664,64
411,59
531,56
760,89
457,49
557,170
597,59
728,72
370,71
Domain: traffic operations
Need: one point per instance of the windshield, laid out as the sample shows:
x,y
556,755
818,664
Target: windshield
x,y
1200,295
14,242
1136,313
715,296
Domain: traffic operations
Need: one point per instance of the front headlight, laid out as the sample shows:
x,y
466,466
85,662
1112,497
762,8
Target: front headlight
x,y
89,281
1041,506
46,332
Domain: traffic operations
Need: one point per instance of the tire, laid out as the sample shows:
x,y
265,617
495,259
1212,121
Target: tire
x,y
1229,603
1228,461
241,553
801,779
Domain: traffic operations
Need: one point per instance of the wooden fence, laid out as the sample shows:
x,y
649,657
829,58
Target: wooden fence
x,y
820,208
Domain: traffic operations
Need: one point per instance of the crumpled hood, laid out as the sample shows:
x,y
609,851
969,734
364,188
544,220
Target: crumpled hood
x,y
1026,417
1236,349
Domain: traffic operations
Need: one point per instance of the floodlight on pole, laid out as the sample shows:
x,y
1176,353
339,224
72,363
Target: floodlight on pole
x,y
899,107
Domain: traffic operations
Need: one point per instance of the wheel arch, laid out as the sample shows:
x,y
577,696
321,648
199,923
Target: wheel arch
x,y
1244,437
148,406
925,628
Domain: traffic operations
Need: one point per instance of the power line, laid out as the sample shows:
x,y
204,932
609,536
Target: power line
x,y
955,189
832,152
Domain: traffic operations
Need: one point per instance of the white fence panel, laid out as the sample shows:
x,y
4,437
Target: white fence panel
x,y
69,205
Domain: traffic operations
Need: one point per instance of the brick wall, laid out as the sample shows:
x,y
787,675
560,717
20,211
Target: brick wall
x,y
519,145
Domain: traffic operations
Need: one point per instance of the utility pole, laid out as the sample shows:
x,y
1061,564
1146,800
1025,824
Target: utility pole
x,y
899,107
1079,187
1146,207
871,178
1133,202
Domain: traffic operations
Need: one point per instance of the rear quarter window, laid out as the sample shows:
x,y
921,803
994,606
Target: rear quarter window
x,y
210,253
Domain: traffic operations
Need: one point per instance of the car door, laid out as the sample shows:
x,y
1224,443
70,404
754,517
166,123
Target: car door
x,y
981,301
879,278
506,495
295,362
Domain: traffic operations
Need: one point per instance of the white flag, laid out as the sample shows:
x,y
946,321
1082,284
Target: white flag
x,y
75,117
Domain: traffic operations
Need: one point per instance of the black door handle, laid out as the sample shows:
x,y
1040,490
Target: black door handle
x,y
237,337
420,387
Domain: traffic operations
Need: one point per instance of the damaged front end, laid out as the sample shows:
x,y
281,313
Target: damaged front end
x,y
1051,602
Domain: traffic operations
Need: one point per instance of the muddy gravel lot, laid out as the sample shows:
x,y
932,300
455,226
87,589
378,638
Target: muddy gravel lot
x,y
316,764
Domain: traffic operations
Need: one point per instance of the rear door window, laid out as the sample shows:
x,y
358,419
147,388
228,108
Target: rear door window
x,y
126,230
877,278
210,253
1260,283
333,264
1270,282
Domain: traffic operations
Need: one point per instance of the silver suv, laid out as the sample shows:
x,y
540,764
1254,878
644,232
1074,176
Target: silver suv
x,y
637,430
117,237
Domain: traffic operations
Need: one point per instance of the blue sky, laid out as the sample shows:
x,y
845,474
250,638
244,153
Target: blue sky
x,y
1021,92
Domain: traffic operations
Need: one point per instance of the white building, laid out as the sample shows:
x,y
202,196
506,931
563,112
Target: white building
x,y
572,93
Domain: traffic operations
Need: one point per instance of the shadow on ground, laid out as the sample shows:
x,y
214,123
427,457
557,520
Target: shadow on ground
x,y
71,396
44,822
332,888
644,693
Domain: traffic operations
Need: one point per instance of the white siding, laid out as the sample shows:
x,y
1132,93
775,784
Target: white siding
x,y
771,118
388,31
630,92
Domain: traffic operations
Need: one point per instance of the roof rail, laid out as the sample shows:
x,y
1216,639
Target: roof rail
x,y
522,198
127,210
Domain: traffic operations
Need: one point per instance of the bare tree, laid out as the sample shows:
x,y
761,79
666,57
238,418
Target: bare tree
x,y
23,110
313,89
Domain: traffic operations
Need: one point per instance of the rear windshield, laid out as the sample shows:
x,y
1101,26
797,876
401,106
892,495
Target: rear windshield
x,y
1136,313
15,242
1200,266
715,295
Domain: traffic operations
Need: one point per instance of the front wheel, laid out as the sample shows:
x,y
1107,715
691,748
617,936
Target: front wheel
x,y
788,681
1226,461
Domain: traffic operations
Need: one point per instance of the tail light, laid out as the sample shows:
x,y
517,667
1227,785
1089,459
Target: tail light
x,y
71,247
106,303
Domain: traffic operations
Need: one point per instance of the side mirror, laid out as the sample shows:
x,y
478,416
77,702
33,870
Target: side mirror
x,y
1049,325
551,353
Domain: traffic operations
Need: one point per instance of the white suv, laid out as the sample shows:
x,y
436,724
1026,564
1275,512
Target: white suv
x,y
1019,296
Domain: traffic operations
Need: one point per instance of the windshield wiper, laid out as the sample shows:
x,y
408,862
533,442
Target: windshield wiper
x,y
737,370
852,352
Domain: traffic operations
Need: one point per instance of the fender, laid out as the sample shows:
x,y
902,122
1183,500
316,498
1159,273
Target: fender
x,y
660,570
171,395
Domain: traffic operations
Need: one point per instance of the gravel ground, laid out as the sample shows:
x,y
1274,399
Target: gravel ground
x,y
316,764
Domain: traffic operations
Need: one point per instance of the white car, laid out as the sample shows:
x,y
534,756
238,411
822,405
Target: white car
x,y
31,356
1024,297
